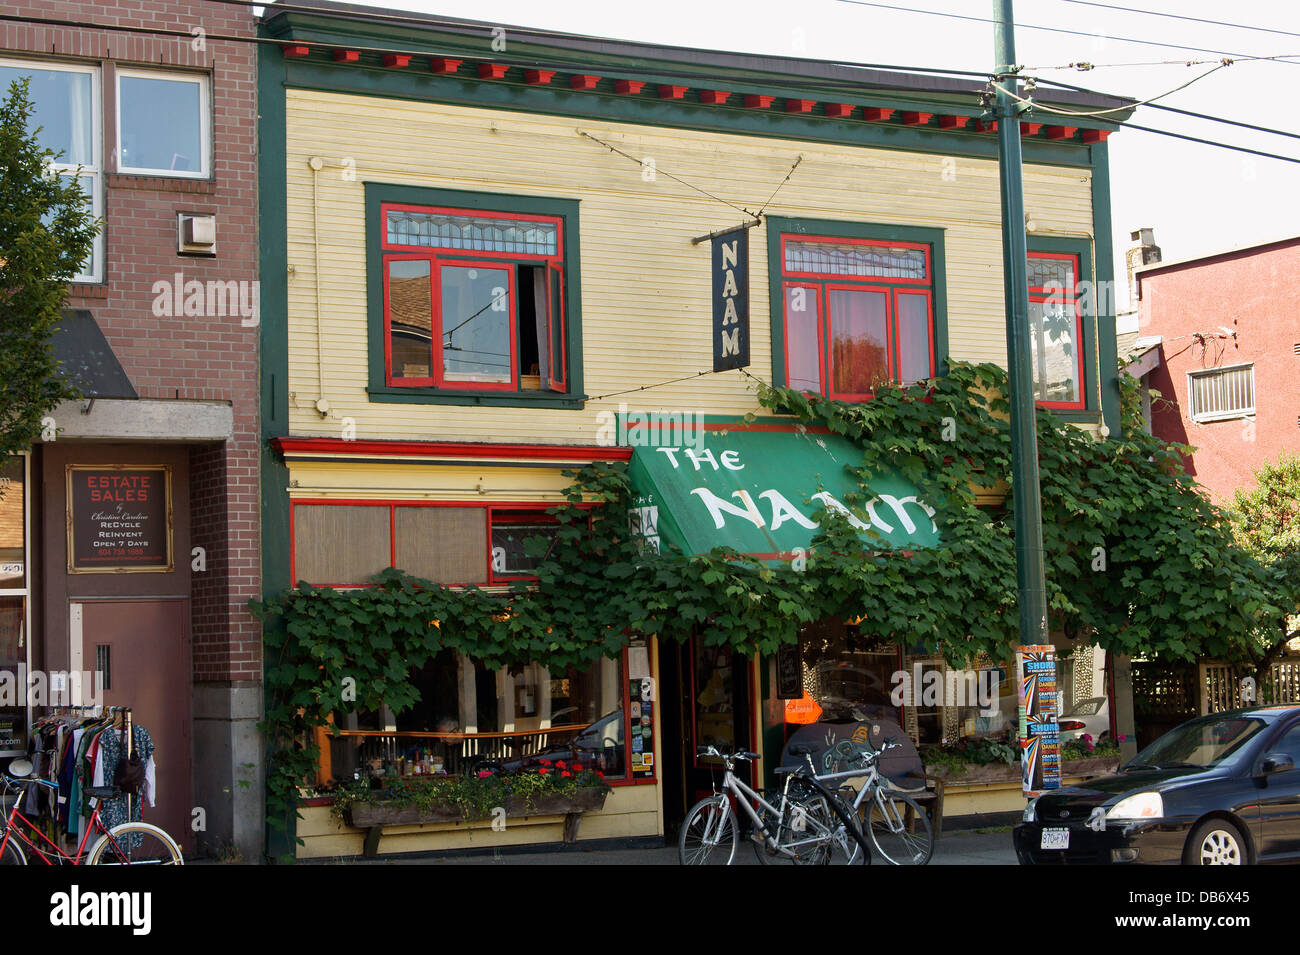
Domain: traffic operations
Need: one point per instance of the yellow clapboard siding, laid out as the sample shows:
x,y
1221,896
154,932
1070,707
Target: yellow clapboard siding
x,y
645,290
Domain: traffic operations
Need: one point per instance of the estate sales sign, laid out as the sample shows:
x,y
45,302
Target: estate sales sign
x,y
119,519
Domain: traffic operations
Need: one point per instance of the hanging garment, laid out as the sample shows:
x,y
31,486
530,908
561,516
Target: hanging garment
x,y
112,751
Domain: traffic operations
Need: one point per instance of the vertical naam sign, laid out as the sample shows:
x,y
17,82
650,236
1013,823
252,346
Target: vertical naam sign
x,y
1040,741
731,300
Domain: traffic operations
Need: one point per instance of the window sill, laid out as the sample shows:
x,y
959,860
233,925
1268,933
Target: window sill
x,y
122,180
1225,416
96,290
487,399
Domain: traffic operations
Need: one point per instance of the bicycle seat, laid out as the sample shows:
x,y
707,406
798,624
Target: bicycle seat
x,y
102,792
804,749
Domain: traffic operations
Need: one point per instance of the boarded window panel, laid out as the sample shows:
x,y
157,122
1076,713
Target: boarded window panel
x,y
340,544
447,545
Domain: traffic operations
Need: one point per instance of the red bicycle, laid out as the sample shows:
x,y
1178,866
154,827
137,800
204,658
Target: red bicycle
x,y
131,843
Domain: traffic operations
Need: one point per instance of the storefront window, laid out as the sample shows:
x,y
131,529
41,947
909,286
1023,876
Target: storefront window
x,y
469,719
849,676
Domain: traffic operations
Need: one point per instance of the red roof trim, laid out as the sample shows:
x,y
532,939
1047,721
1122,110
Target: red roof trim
x,y
839,110
629,87
492,71
296,50
714,97
913,118
799,105
441,64
876,114
1061,132
759,100
346,56
397,59
954,122
538,76
583,81
667,91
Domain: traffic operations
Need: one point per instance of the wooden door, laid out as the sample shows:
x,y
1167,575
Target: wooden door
x,y
142,645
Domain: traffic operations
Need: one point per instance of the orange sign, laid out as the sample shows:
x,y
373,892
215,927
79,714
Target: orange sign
x,y
803,710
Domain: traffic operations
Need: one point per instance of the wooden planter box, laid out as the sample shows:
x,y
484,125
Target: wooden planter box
x,y
371,815
1003,773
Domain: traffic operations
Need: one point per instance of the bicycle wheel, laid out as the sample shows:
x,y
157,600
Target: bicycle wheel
x,y
13,853
900,829
803,835
135,843
709,834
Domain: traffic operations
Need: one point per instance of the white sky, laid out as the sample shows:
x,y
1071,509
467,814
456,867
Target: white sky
x,y
1197,198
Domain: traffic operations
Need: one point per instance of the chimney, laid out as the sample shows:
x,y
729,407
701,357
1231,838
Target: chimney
x,y
1143,251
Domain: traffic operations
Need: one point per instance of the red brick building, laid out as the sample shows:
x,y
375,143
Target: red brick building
x,y
156,103
1227,359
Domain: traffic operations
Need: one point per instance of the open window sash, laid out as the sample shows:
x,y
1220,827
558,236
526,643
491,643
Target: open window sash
x,y
554,372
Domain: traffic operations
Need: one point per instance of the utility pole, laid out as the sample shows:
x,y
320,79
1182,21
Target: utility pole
x,y
1031,586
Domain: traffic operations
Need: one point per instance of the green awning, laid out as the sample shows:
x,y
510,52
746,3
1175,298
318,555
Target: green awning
x,y
755,485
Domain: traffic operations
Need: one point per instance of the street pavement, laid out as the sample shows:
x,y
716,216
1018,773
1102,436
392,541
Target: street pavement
x,y
960,847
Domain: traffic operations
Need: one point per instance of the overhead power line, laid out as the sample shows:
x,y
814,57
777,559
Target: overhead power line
x,y
1181,16
1083,33
1104,112
1184,112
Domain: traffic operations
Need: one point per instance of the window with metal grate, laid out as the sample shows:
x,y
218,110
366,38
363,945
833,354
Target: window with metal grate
x,y
1222,393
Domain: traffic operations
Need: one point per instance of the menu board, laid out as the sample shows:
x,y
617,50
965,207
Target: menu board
x,y
119,519
641,697
1039,698
789,672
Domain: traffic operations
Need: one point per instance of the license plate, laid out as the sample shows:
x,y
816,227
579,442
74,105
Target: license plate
x,y
1055,839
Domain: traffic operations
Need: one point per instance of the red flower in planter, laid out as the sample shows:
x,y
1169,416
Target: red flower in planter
x,y
566,774
542,772
560,764
484,773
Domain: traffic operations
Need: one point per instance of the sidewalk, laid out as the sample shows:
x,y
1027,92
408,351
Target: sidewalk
x,y
971,847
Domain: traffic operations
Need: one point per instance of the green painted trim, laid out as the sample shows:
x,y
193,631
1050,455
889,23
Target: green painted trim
x,y
274,349
1083,249
647,109
1103,238
567,209
777,225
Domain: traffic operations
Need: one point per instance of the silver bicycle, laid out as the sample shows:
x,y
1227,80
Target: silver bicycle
x,y
801,828
899,828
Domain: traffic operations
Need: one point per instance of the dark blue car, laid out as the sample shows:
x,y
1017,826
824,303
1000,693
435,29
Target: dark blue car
x,y
1217,790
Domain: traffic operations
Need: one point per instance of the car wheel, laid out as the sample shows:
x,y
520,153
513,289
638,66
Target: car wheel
x,y
1216,842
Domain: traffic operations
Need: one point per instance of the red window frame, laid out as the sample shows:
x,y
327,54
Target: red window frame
x,y
821,329
400,380
476,258
891,366
440,378
823,283
537,514
1041,294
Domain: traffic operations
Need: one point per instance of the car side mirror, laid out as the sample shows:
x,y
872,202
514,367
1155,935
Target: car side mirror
x,y
1276,763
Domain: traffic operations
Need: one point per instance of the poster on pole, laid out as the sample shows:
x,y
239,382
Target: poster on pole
x,y
1039,699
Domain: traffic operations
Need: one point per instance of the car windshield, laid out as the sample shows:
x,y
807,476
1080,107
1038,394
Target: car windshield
x,y
1086,708
1199,743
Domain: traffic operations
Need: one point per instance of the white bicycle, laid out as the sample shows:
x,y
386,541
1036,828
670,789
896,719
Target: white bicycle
x,y
807,825
899,828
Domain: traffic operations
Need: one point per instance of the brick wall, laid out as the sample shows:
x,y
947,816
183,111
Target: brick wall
x,y
212,358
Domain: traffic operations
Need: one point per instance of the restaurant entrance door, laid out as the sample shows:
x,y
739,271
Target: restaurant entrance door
x,y
712,706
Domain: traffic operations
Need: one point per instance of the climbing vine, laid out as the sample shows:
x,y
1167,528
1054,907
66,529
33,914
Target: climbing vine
x,y
1137,560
